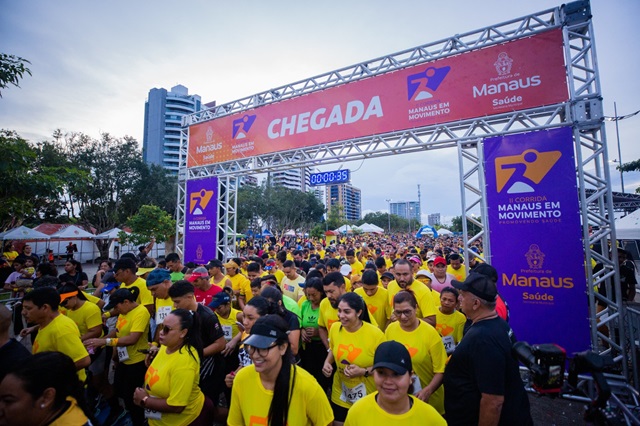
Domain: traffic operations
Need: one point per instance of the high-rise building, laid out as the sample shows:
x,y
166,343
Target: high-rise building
x,y
406,209
292,178
346,196
434,219
163,112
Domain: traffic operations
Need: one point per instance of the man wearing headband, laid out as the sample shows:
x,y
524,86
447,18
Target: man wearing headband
x,y
482,379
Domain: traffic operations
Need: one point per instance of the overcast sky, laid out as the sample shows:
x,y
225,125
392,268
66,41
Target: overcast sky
x,y
93,64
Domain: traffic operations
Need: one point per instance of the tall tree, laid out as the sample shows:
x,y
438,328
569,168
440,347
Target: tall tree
x,y
633,166
12,70
150,222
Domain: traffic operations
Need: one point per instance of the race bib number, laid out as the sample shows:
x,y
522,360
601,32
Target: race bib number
x,y
351,395
123,355
162,313
449,344
152,414
228,333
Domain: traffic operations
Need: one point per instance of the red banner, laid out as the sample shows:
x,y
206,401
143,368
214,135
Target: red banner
x,y
512,76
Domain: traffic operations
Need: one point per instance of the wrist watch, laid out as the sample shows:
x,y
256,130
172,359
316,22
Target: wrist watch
x,y
366,373
143,401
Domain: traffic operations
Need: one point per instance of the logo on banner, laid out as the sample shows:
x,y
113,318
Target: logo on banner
x,y
422,85
521,171
209,134
242,125
199,200
503,64
535,257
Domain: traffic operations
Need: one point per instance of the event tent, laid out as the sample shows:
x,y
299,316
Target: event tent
x,y
82,239
443,231
23,233
628,227
369,228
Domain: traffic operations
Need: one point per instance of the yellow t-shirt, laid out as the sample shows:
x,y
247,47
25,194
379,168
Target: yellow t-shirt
x,y
292,288
72,415
378,305
223,281
136,320
163,308
321,253
91,298
62,335
426,307
451,325
427,352
353,348
460,274
145,297
367,412
250,401
175,377
278,274
86,317
357,267
229,325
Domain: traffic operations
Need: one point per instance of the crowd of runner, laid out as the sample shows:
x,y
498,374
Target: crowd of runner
x,y
296,331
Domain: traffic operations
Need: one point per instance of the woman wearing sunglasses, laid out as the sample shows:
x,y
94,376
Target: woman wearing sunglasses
x,y
274,391
171,394
129,340
425,346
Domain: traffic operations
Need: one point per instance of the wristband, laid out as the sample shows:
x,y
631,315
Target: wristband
x,y
114,342
154,344
107,314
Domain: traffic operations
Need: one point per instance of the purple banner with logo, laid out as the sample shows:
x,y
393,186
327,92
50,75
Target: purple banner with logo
x,y
536,236
200,223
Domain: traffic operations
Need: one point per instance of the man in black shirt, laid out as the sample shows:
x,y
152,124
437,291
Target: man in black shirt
x,y
482,382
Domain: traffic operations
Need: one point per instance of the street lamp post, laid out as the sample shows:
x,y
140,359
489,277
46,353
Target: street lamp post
x,y
389,214
615,111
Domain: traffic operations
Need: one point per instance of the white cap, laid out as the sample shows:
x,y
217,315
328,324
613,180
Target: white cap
x,y
345,270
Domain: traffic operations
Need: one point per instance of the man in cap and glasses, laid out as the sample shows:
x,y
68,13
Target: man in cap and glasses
x,y
482,381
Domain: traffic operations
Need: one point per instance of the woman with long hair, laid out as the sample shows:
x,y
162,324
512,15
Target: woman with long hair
x,y
393,403
73,274
129,340
273,390
352,344
427,350
171,394
43,389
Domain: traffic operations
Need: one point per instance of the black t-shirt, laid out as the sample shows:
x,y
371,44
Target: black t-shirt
x,y
76,279
31,256
482,363
210,331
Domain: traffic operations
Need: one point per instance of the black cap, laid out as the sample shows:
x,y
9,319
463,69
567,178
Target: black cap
x,y
119,296
387,275
392,355
478,284
264,334
214,263
487,270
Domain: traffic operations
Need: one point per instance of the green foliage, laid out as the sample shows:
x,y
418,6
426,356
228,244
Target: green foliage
x,y
317,231
30,185
12,70
279,209
150,222
633,166
456,226
335,217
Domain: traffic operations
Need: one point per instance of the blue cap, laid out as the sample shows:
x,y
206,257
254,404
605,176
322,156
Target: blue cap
x,y
158,276
220,299
110,286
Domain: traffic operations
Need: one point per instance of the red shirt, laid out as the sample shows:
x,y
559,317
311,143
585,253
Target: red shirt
x,y
204,297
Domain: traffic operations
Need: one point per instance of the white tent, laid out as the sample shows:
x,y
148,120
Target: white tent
x,y
443,231
346,229
116,249
23,233
369,227
82,239
628,227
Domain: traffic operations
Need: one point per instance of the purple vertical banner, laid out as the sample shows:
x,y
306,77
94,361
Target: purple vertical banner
x,y
536,236
201,220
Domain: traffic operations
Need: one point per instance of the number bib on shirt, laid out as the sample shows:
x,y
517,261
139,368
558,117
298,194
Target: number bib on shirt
x,y
449,343
152,414
123,355
227,330
162,312
351,395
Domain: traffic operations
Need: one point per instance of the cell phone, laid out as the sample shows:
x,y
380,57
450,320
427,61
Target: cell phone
x,y
144,351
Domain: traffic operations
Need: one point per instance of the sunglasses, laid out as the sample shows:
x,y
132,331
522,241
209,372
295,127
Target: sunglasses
x,y
251,350
166,329
407,313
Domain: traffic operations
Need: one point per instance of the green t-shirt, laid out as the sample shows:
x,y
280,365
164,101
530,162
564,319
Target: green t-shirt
x,y
309,315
